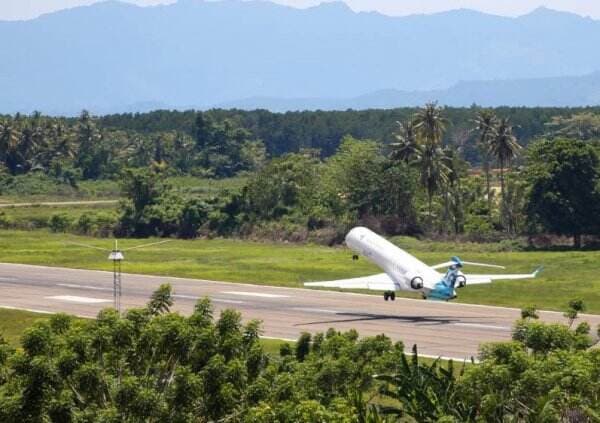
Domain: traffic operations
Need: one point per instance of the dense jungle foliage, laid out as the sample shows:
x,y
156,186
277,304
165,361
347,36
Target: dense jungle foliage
x,y
484,174
153,365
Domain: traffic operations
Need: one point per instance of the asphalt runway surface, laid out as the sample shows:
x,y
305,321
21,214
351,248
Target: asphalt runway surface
x,y
448,330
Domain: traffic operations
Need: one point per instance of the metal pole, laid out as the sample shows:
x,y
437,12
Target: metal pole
x,y
119,292
115,284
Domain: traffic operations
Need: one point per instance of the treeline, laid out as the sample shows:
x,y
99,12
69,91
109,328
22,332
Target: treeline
x,y
71,150
49,144
416,183
323,130
153,365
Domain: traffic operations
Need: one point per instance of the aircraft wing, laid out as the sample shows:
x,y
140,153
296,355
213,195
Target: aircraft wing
x,y
481,279
379,282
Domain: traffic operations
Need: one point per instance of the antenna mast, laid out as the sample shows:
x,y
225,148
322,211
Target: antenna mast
x,y
117,258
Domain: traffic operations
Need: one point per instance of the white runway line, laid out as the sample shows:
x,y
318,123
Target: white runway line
x,y
482,326
254,294
315,310
80,300
214,300
88,287
8,279
219,300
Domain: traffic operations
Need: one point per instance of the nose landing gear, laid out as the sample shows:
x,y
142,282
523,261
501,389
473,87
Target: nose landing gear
x,y
389,296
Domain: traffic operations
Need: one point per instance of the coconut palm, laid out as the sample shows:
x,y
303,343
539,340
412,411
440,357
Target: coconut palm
x,y
10,138
504,147
406,148
452,188
434,172
485,125
430,125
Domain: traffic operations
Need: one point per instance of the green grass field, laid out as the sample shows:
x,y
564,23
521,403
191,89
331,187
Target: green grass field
x,y
38,188
14,322
37,216
567,275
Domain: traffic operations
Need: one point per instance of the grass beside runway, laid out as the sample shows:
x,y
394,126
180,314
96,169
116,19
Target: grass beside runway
x,y
14,322
567,275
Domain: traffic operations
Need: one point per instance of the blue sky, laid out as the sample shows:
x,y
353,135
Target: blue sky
x,y
26,9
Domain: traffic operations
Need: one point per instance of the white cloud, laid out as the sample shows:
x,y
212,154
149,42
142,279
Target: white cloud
x,y
27,9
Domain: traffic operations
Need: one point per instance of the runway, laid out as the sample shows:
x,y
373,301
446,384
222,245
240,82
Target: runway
x,y
449,330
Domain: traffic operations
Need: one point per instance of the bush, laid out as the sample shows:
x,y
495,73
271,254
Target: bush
x,y
478,226
105,224
96,224
59,222
5,221
508,245
85,224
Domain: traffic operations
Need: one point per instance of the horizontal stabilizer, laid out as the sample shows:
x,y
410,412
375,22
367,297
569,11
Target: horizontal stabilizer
x,y
379,282
481,279
470,263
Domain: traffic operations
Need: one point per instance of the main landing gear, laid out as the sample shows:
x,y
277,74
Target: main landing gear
x,y
389,296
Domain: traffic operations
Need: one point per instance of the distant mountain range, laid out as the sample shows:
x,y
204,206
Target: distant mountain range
x,y
552,92
114,57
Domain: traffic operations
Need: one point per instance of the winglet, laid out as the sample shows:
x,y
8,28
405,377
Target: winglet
x,y
538,271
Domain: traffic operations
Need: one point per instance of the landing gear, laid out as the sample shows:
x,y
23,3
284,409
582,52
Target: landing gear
x,y
389,296
355,257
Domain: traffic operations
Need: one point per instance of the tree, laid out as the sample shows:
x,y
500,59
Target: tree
x,y
583,126
143,189
485,124
430,125
10,138
434,173
454,205
514,202
283,186
564,198
91,153
161,300
406,148
426,392
504,147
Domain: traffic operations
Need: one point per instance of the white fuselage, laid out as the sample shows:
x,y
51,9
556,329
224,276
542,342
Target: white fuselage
x,y
400,266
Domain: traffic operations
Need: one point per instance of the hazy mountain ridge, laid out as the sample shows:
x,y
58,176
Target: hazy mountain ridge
x,y
113,56
550,92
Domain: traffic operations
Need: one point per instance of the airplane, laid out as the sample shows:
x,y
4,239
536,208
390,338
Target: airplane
x,y
404,272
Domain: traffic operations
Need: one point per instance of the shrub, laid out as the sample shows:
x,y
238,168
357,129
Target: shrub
x,y
478,226
59,222
85,224
5,221
105,224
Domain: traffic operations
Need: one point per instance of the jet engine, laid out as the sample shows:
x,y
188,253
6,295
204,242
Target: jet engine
x,y
416,283
461,281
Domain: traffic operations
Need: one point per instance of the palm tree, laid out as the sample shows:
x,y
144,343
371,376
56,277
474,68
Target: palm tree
x,y
10,138
407,147
434,172
430,125
452,192
504,147
485,125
